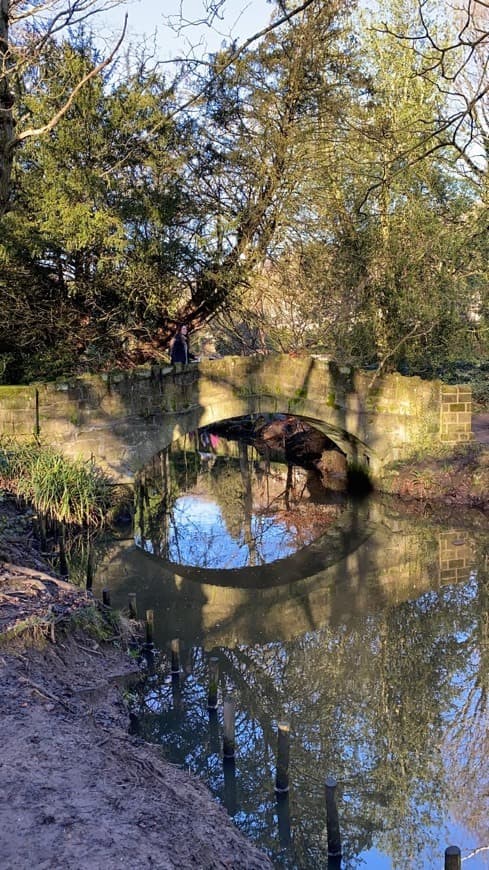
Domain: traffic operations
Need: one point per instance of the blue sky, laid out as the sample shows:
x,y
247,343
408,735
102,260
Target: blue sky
x,y
240,20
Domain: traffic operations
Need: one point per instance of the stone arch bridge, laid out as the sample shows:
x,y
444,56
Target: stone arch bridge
x,y
122,419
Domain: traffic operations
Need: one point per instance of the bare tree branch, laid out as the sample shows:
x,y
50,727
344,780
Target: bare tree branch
x,y
233,57
415,332
39,131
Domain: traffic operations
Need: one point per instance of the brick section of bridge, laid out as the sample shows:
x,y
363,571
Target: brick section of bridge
x,y
456,557
455,413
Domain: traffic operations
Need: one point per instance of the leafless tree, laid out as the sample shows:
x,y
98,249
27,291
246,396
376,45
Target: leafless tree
x,y
450,41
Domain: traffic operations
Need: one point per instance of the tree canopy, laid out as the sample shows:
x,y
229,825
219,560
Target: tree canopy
x,y
322,187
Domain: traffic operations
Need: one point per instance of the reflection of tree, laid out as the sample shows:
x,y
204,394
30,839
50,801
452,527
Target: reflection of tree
x,y
226,487
394,704
466,739
373,702
265,509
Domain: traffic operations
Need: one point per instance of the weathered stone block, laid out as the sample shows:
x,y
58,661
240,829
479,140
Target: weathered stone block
x,y
457,563
448,575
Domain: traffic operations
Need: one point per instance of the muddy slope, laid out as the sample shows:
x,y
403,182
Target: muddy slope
x,y
77,790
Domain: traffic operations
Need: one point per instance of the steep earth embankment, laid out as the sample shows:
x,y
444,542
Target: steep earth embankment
x,y
458,475
78,791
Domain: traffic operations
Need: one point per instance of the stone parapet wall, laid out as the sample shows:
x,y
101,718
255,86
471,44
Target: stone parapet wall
x,y
122,419
18,411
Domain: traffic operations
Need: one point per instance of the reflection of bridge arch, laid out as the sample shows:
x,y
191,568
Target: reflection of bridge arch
x,y
342,538
399,560
122,419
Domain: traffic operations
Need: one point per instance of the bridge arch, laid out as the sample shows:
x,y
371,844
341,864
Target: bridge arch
x,y
355,449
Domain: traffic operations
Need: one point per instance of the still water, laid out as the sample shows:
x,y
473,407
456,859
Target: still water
x,y
365,625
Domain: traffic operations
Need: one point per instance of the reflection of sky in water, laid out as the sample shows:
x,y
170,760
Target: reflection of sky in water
x,y
232,513
198,535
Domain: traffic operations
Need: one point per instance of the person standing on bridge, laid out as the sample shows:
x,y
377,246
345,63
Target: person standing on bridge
x,y
179,352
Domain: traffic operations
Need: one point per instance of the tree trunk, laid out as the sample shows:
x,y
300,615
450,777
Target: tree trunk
x,y
6,103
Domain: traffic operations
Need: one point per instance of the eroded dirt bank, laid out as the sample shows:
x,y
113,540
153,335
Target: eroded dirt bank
x,y
77,790
457,475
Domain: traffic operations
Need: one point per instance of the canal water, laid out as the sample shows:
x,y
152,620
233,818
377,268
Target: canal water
x,y
363,624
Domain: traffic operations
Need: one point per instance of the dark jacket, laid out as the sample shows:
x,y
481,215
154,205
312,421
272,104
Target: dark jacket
x,y
179,349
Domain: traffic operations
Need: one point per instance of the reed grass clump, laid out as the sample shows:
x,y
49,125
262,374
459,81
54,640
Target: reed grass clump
x,y
69,491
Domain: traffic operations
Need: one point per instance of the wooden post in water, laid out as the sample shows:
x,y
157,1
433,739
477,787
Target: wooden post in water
x,y
175,656
213,732
149,627
141,507
63,564
453,858
131,601
106,597
213,683
149,655
89,567
176,691
134,724
283,819
332,822
230,796
283,753
43,542
228,740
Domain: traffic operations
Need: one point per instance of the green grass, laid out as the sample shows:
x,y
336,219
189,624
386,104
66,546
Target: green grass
x,y
69,491
102,625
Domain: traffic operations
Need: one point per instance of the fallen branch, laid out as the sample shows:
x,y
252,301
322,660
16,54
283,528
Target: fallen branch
x,y
45,694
